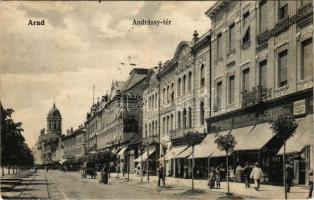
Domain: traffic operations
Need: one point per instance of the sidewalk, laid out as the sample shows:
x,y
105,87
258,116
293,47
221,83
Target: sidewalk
x,y
265,192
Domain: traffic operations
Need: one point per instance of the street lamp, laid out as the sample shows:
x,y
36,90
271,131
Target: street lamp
x,y
164,147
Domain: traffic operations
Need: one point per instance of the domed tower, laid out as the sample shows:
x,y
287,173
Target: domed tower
x,y
54,121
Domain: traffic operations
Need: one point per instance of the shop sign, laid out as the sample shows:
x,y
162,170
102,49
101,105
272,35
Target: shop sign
x,y
299,107
246,119
273,113
221,125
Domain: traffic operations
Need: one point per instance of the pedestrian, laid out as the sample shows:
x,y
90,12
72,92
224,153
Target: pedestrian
x,y
218,177
47,169
211,178
231,173
161,175
289,176
257,175
310,173
238,173
246,174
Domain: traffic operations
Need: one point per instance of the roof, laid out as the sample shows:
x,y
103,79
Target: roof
x,y
54,112
136,75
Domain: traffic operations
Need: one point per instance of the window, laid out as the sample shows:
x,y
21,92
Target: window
x,y
179,119
156,127
150,129
202,75
184,85
164,95
202,114
184,118
164,125
179,87
246,28
171,122
172,92
306,59
246,80
231,37
168,94
262,15
282,68
219,46
190,81
282,10
156,100
231,90
219,95
190,118
263,74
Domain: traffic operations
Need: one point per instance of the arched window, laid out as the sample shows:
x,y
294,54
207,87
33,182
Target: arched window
x,y
54,125
167,124
184,85
179,120
202,75
153,128
190,118
164,125
202,113
190,81
184,118
179,87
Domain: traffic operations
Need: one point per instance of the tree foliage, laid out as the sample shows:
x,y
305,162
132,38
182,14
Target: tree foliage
x,y
14,150
226,142
284,126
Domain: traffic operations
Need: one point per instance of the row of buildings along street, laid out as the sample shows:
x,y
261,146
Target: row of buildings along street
x,y
253,64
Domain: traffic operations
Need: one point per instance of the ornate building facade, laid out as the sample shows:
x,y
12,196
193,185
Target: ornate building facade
x,y
49,148
262,66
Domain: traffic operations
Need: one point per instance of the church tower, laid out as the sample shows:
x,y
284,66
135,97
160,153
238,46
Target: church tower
x,y
54,121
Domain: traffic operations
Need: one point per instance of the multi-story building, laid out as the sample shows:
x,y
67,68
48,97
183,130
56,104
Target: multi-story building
x,y
49,144
74,143
176,101
115,122
262,66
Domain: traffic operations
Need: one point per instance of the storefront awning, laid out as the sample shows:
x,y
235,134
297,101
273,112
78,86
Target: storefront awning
x,y
214,151
122,152
206,148
302,137
144,156
187,152
174,152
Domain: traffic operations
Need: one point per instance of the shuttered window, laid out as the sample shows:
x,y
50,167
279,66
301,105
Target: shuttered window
x,y
231,90
263,74
219,46
307,59
245,80
263,16
282,9
219,95
282,68
231,37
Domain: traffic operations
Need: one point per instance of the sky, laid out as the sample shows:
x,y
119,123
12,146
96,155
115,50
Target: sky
x,y
82,44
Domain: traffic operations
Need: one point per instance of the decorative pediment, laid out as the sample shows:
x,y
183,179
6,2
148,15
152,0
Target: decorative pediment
x,y
183,51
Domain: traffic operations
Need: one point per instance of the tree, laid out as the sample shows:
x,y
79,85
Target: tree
x,y
284,127
14,150
226,143
193,138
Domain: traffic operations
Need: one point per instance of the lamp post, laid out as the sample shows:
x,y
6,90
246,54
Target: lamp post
x,y
164,147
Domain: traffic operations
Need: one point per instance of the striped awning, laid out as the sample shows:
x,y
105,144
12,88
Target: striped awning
x,y
302,137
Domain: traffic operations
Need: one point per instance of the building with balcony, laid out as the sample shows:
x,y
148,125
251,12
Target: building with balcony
x,y
262,67
176,101
115,121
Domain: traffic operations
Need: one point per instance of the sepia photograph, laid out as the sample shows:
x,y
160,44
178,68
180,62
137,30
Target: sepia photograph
x,y
156,99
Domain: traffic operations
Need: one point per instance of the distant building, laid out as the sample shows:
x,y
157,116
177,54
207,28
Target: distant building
x,y
115,121
49,144
74,143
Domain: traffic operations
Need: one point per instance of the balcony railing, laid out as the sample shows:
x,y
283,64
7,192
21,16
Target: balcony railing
x,y
256,96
